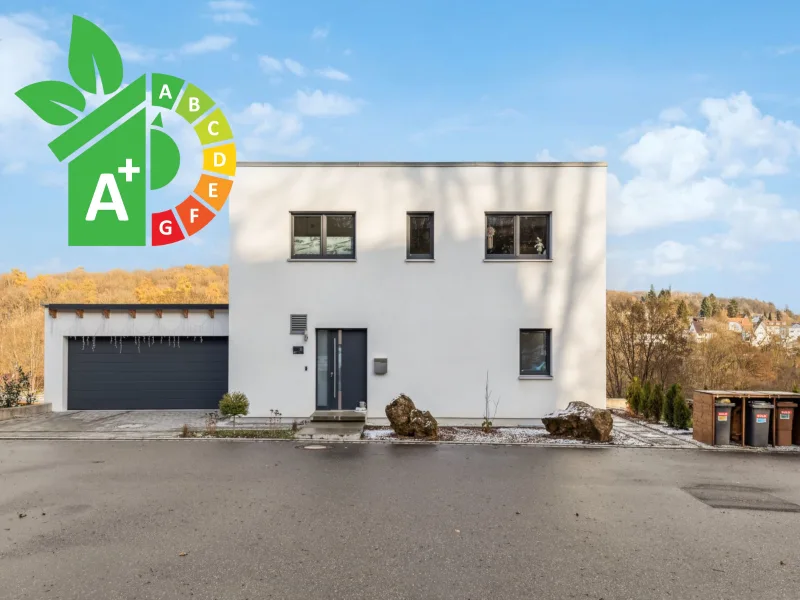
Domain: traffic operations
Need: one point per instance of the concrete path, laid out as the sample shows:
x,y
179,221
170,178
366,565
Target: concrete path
x,y
233,521
651,436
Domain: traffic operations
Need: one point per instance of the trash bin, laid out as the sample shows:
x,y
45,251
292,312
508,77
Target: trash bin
x,y
722,423
757,424
783,428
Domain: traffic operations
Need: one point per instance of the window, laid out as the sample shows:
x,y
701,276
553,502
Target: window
x,y
420,236
534,352
518,236
323,235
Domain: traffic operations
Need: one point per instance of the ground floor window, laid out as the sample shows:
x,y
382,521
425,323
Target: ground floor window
x,y
534,352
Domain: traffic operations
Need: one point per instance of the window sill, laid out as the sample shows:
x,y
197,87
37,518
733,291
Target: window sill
x,y
535,376
422,260
322,260
508,260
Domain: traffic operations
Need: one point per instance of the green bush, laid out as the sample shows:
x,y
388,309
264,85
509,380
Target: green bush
x,y
656,403
234,404
646,397
15,389
668,410
682,413
632,395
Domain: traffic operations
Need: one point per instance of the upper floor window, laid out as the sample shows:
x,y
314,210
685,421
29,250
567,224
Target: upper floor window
x,y
329,235
420,236
518,236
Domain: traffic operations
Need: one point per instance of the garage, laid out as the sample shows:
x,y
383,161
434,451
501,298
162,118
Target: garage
x,y
130,373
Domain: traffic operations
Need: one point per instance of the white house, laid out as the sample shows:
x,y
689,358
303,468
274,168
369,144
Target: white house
x,y
351,283
418,279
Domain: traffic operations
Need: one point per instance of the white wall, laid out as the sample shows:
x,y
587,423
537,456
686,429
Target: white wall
x,y
441,325
120,323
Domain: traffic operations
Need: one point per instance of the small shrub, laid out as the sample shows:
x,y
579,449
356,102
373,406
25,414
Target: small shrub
x,y
186,431
234,404
211,423
632,397
656,403
15,389
682,413
645,398
295,426
668,410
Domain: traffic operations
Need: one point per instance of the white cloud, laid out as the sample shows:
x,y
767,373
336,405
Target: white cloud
x,y
269,64
320,104
331,73
785,50
320,33
347,52
674,114
668,258
591,153
210,43
272,132
232,11
295,67
710,176
26,56
136,54
544,156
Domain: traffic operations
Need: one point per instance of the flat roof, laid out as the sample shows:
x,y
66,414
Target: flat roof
x,y
136,306
747,393
247,163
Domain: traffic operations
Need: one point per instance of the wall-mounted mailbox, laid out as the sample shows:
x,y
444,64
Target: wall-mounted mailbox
x,y
381,365
297,349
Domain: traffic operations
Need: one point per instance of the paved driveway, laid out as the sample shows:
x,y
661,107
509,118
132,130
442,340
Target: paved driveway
x,y
235,521
103,423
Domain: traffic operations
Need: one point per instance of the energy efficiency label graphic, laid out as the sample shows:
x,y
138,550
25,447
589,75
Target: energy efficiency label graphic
x,y
112,149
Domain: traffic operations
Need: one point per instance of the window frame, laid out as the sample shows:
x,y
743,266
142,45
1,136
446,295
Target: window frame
x,y
323,215
516,256
549,343
421,257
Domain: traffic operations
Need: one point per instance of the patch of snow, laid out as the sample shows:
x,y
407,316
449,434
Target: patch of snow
x,y
377,434
130,426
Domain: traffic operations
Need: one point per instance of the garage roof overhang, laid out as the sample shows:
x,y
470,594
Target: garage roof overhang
x,y
101,307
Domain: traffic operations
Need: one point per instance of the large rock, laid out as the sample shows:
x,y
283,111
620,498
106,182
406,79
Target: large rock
x,y
580,421
422,424
408,421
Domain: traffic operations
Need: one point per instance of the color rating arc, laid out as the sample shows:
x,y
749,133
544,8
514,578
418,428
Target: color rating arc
x,y
219,160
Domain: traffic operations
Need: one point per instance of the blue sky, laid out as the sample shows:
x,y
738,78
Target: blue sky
x,y
692,105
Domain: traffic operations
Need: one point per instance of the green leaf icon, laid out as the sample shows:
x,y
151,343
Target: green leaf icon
x,y
89,45
46,98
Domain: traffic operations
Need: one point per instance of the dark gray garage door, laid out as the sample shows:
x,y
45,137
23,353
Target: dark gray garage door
x,y
155,375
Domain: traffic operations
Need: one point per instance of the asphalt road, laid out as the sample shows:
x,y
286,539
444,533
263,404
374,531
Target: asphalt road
x,y
111,520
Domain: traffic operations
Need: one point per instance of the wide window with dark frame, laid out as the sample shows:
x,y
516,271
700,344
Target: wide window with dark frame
x,y
420,236
331,235
518,236
534,352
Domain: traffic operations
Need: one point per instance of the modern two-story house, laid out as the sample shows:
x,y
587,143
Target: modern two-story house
x,y
351,283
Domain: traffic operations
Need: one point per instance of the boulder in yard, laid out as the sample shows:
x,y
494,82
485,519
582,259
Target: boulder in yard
x,y
580,421
408,421
422,424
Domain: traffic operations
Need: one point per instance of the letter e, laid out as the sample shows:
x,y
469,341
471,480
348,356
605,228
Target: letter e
x,y
212,190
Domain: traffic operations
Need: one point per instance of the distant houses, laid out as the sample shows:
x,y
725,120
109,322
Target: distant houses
x,y
758,331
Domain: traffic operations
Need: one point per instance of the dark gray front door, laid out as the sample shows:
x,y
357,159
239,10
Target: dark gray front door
x,y
161,374
341,368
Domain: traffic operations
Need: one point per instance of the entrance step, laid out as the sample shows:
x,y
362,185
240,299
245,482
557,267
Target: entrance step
x,y
336,416
345,431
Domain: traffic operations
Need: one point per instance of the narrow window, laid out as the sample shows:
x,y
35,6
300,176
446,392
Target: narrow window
x,y
534,352
323,235
518,236
420,236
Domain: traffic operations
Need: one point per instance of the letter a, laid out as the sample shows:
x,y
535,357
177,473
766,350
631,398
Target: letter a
x,y
107,181
165,92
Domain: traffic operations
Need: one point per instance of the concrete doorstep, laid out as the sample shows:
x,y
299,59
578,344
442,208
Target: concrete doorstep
x,y
343,431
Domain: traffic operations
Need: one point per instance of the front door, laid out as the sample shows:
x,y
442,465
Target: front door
x,y
341,368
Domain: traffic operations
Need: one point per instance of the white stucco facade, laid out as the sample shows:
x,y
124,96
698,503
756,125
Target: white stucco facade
x,y
441,324
63,323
